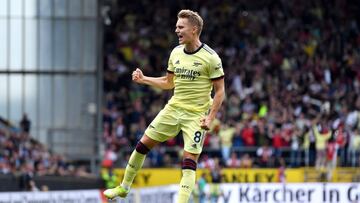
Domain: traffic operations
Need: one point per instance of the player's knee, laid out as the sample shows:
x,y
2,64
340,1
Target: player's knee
x,y
142,148
188,155
189,164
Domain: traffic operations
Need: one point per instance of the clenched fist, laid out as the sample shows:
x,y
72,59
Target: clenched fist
x,y
137,75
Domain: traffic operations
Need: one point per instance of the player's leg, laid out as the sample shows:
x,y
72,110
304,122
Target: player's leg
x,y
136,159
161,128
188,178
135,163
193,141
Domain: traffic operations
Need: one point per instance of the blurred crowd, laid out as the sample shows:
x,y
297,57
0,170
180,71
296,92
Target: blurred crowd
x,y
292,71
25,157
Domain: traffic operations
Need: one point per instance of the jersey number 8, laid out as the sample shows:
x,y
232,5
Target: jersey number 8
x,y
197,137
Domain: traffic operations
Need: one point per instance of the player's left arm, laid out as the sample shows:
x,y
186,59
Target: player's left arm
x,y
219,89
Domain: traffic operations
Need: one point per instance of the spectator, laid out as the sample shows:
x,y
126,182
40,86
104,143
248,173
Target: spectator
x,y
233,161
265,155
247,135
246,161
237,141
330,157
121,137
355,148
226,134
44,188
309,147
277,142
25,124
32,186
322,134
341,137
281,171
110,157
206,162
26,182
200,192
216,178
108,177
295,148
4,166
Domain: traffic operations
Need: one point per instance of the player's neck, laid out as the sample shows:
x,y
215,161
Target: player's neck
x,y
193,46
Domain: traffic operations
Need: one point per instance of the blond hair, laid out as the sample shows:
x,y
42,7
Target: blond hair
x,y
193,17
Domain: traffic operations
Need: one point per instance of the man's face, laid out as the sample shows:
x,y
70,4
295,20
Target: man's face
x,y
185,31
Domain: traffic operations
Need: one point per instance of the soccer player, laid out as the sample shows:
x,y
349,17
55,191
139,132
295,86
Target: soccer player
x,y
194,69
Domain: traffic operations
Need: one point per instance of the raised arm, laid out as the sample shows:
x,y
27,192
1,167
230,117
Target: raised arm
x,y
219,95
164,82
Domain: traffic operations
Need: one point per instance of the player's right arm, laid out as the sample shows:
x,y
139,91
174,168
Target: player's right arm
x,y
164,82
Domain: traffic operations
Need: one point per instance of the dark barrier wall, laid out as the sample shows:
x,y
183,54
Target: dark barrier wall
x,y
8,183
12,183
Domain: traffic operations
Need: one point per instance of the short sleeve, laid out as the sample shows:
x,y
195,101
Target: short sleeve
x,y
215,67
170,67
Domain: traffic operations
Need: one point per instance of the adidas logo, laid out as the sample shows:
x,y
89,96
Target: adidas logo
x,y
177,62
194,146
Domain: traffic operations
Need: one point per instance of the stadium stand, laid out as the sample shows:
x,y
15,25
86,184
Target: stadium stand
x,y
29,165
292,77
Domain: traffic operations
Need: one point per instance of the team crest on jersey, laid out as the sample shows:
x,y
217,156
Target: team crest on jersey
x,y
196,64
218,66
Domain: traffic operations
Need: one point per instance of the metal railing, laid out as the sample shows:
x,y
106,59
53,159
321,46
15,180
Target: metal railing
x,y
298,158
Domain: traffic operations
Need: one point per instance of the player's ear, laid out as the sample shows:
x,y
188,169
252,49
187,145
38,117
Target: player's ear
x,y
195,29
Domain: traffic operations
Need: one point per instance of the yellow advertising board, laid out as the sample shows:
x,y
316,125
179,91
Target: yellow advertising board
x,y
346,175
156,177
233,175
152,177
340,174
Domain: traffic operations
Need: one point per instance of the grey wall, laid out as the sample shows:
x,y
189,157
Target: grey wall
x,y
49,69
